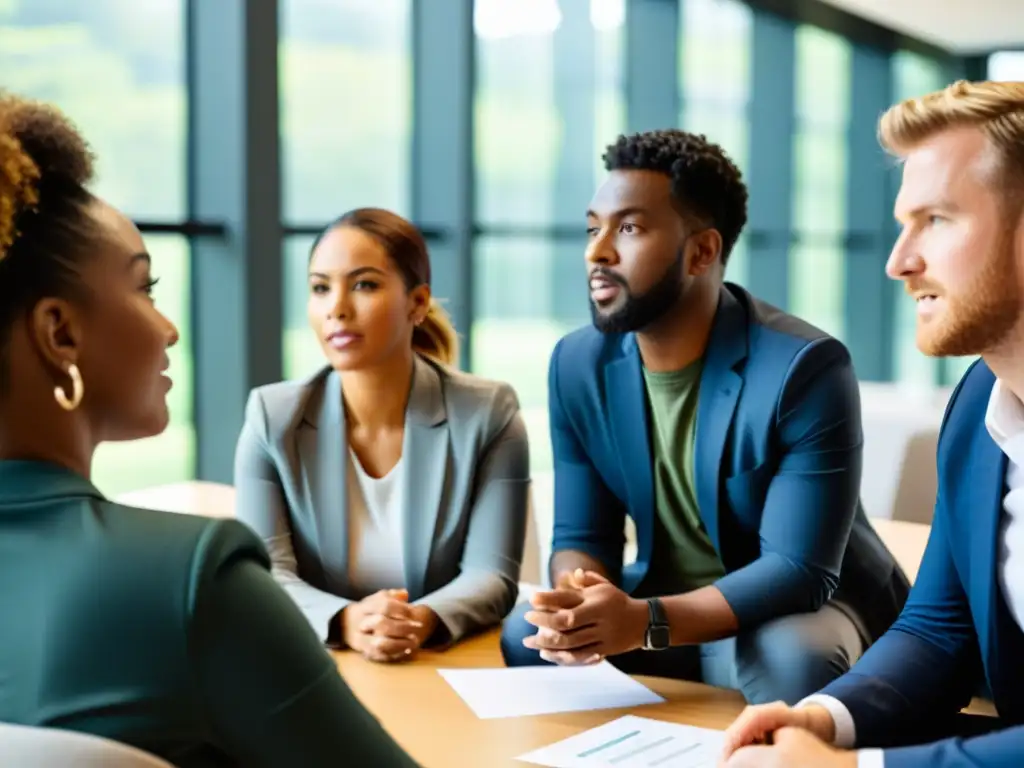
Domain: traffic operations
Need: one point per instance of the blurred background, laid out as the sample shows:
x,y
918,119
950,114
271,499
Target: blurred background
x,y
232,130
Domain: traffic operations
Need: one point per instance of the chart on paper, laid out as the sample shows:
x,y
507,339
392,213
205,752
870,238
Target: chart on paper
x,y
633,742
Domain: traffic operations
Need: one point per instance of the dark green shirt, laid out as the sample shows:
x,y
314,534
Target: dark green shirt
x,y
163,631
683,557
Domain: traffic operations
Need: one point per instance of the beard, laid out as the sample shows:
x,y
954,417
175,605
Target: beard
x,y
979,317
630,313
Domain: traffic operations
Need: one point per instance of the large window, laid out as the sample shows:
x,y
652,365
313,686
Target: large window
x,y
116,67
715,79
549,98
913,75
816,260
346,123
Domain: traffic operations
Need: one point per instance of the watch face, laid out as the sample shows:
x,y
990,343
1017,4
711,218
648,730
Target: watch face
x,y
658,638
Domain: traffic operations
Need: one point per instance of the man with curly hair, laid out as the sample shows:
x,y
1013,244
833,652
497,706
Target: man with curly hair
x,y
727,430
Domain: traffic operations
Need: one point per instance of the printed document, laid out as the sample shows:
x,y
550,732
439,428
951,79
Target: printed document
x,y
520,691
634,742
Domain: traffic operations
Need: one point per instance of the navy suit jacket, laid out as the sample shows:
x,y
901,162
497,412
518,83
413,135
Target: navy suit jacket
x,y
956,624
778,464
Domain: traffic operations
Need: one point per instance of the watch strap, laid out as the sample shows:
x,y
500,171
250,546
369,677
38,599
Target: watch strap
x,y
656,613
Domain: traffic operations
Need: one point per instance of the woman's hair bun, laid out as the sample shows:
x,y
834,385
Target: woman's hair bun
x,y
48,137
18,177
37,141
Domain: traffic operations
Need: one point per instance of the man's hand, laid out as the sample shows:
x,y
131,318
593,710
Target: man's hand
x,y
570,579
384,627
585,619
792,748
756,724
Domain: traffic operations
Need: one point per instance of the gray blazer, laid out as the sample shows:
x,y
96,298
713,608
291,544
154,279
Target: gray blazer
x,y
467,474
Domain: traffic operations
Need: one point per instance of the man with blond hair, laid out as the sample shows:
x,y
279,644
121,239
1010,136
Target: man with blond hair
x,y
960,256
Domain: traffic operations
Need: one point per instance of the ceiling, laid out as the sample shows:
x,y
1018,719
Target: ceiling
x,y
962,26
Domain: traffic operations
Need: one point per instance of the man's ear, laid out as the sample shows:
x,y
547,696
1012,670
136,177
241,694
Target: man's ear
x,y
705,250
55,330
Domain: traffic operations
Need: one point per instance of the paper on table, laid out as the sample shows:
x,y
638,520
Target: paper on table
x,y
519,691
634,742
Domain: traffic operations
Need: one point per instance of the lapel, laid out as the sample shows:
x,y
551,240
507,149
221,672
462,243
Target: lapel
x,y
425,460
720,387
322,447
627,406
984,490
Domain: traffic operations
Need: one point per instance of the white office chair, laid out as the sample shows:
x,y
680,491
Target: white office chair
x,y
23,746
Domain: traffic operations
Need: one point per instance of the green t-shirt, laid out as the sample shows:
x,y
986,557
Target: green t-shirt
x,y
683,557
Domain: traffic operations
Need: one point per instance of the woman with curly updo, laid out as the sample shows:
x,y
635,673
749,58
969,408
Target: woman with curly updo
x,y
165,632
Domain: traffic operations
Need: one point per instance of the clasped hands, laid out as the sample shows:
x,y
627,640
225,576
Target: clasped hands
x,y
800,738
384,627
584,619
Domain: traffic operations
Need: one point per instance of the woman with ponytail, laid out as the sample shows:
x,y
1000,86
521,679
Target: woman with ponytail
x,y
390,488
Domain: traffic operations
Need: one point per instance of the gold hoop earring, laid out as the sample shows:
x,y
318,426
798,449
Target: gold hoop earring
x,y
77,390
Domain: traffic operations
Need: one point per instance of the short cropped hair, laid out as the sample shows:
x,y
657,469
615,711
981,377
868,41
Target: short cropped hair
x,y
705,182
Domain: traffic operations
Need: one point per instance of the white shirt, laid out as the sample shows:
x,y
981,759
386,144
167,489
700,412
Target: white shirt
x,y
375,536
1004,420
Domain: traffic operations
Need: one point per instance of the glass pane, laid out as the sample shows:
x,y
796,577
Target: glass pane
x,y
819,183
517,321
956,367
823,62
819,210
520,135
518,131
820,151
169,457
816,272
737,268
821,162
117,68
915,75
1006,65
727,127
714,52
302,353
608,16
346,106
816,285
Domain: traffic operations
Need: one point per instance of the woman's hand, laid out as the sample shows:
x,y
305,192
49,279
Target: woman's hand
x,y
385,628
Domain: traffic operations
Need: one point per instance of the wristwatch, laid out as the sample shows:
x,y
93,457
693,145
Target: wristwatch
x,y
658,637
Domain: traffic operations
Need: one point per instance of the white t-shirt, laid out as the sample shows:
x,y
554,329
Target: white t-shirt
x,y
375,533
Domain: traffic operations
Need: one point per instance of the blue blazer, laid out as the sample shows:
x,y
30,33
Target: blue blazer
x,y
778,464
956,625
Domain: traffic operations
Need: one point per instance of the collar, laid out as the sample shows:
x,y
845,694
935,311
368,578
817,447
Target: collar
x,y
28,482
729,338
426,396
1004,420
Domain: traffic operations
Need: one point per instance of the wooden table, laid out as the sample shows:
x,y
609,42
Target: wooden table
x,y
907,542
425,715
